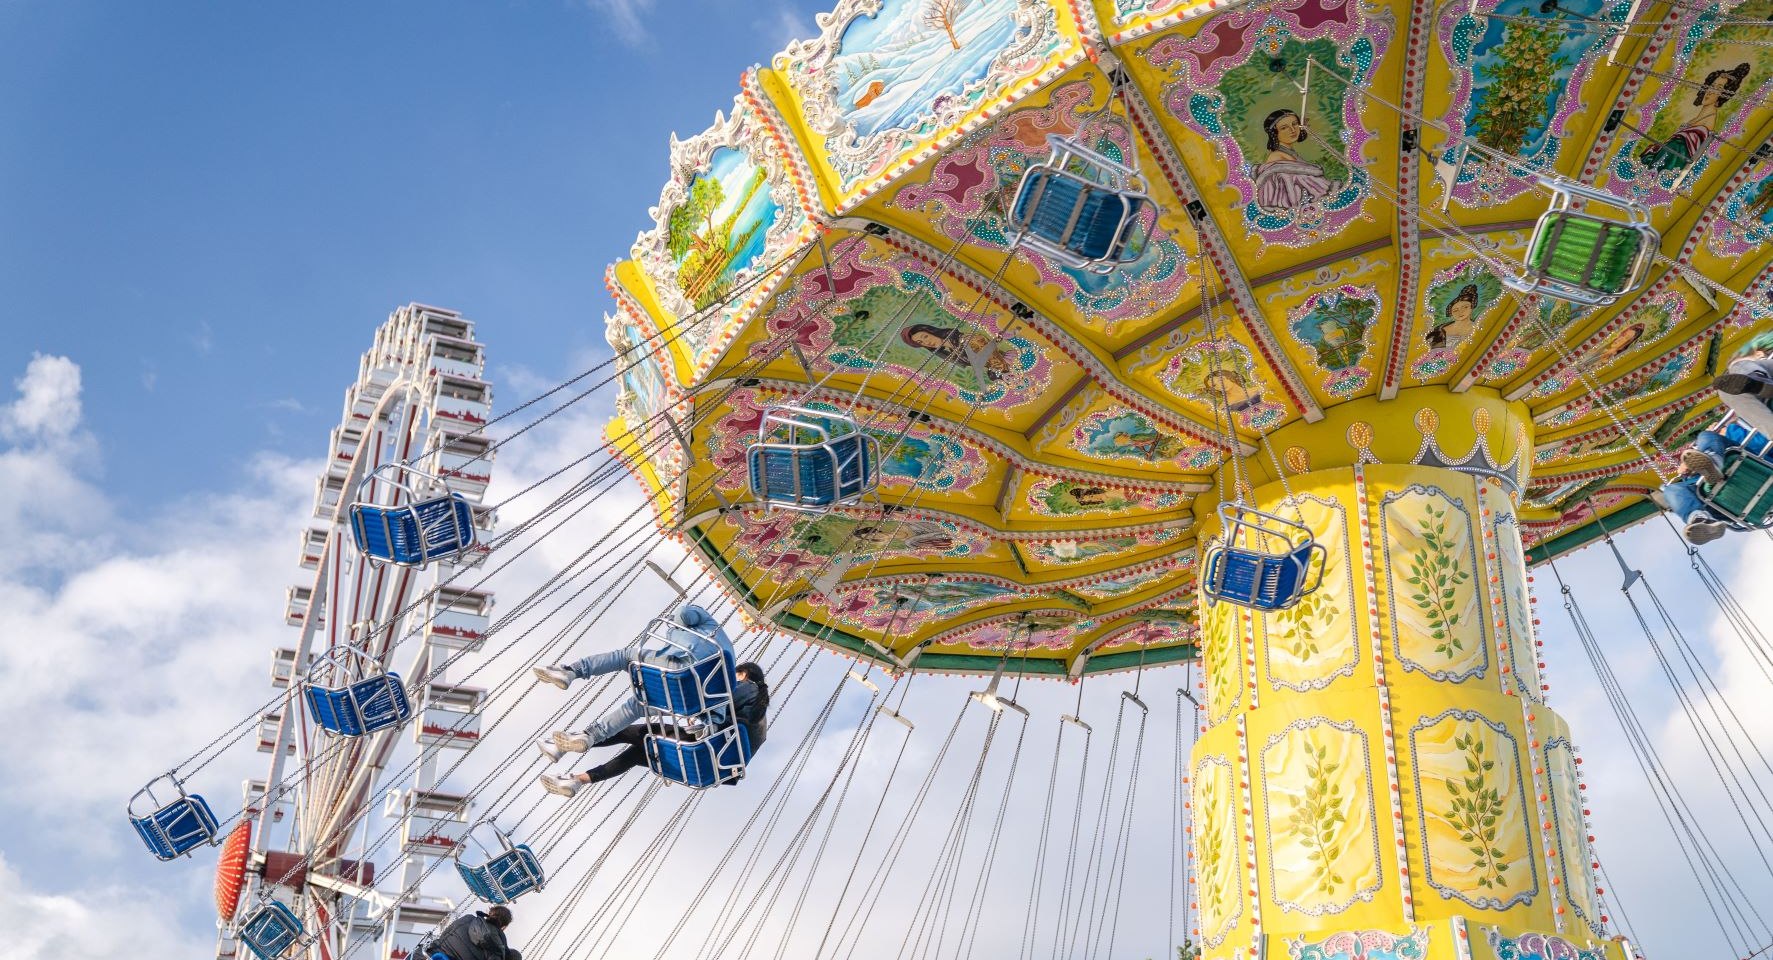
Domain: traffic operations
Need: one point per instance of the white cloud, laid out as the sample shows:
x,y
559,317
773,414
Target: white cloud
x,y
626,18
98,920
48,405
783,26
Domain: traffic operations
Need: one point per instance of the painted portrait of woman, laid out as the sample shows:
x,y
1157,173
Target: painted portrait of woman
x,y
1284,180
1457,320
957,348
1615,347
1689,142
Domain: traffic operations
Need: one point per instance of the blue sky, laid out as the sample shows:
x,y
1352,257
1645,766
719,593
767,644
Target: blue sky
x,y
213,203
205,211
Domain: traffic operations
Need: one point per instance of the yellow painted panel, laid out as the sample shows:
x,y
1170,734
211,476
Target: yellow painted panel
x,y
1471,810
1323,838
1312,643
1436,598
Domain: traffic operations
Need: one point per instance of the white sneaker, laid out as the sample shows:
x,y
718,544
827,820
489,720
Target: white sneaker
x,y
559,676
549,749
570,742
1703,528
564,786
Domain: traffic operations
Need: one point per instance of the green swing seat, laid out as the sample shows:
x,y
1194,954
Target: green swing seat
x,y
1585,258
1745,498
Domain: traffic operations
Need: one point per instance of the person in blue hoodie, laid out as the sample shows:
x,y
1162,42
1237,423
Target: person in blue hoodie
x,y
695,635
751,700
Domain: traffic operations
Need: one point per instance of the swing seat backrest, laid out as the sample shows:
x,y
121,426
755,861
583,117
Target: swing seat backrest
x,y
177,828
414,534
362,707
1746,495
505,877
1079,223
688,690
271,930
810,459
718,758
1257,580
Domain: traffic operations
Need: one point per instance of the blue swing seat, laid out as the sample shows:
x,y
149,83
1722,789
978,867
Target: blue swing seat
x,y
363,707
811,459
1080,208
176,828
1264,563
694,686
414,534
514,872
271,930
716,759
698,687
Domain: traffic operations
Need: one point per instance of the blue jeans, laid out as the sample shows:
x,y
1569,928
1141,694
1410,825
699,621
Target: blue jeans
x,y
695,636
1683,494
1683,497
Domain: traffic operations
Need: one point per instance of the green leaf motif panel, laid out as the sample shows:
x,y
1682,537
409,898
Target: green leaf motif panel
x,y
1471,809
1220,872
1313,642
1566,813
1517,613
1434,583
1323,835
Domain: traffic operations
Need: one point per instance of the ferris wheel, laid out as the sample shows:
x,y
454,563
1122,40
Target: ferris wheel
x,y
304,845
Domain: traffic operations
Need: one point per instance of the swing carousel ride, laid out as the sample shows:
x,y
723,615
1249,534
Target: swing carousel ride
x,y
1068,338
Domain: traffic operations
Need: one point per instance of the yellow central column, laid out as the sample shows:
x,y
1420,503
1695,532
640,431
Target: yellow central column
x,y
1378,774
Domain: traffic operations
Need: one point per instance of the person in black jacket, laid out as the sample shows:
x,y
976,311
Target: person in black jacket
x,y
479,937
751,701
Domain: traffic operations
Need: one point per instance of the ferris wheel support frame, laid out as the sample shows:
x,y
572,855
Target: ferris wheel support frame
x,y
416,356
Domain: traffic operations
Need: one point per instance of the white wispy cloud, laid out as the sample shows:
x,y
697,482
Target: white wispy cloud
x,y
626,19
